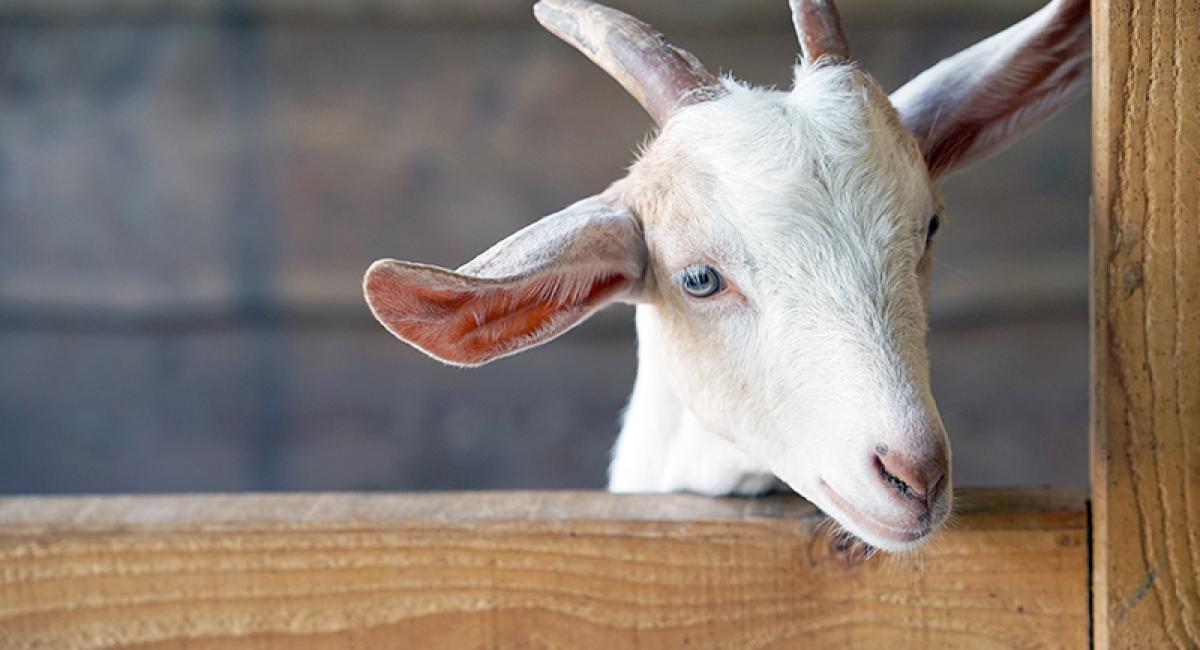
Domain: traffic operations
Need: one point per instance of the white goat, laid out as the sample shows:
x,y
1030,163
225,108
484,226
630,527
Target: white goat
x,y
777,246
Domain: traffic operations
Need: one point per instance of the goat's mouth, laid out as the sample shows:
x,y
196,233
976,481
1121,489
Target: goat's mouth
x,y
882,534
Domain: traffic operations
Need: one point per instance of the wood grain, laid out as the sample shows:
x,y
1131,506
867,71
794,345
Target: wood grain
x,y
1146,336
515,570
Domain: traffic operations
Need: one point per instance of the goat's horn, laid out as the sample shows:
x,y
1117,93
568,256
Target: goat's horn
x,y
819,29
662,77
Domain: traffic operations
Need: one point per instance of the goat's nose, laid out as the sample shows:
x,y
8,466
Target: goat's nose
x,y
916,477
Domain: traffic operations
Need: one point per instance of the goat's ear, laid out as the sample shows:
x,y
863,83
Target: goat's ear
x,y
522,292
980,100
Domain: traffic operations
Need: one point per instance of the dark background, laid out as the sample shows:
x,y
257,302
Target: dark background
x,y
190,192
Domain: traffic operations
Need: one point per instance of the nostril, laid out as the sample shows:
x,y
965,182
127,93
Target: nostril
x,y
917,480
900,485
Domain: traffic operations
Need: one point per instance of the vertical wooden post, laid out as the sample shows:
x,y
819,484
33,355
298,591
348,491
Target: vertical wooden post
x,y
1146,324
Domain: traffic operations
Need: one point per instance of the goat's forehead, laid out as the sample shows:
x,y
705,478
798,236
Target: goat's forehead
x,y
757,164
835,125
831,113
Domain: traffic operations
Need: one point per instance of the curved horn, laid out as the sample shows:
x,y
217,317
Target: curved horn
x,y
819,29
662,77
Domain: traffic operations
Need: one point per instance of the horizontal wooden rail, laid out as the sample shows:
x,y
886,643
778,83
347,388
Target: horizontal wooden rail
x,y
520,569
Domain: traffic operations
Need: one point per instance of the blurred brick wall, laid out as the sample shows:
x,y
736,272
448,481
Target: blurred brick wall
x,y
188,198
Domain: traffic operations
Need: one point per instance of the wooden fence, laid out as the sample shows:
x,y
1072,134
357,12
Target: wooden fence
x,y
515,570
539,569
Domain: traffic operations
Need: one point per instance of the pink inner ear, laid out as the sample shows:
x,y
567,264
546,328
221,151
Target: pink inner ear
x,y
475,325
955,146
1038,76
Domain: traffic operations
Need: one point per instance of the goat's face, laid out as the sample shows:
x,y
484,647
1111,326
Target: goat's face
x,y
779,243
807,214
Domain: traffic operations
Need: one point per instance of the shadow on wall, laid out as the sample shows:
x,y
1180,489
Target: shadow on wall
x,y
188,201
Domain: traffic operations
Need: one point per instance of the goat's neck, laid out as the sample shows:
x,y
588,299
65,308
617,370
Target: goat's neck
x,y
663,447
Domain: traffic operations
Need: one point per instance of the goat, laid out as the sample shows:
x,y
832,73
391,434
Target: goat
x,y
777,246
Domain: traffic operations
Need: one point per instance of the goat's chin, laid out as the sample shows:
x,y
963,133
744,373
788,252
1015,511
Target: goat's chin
x,y
870,538
868,533
887,545
871,529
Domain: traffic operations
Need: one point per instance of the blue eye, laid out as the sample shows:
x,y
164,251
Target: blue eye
x,y
700,280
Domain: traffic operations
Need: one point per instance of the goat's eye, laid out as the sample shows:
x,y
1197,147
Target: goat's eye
x,y
700,280
935,222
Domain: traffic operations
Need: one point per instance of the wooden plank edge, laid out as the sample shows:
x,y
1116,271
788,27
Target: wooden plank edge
x,y
23,513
